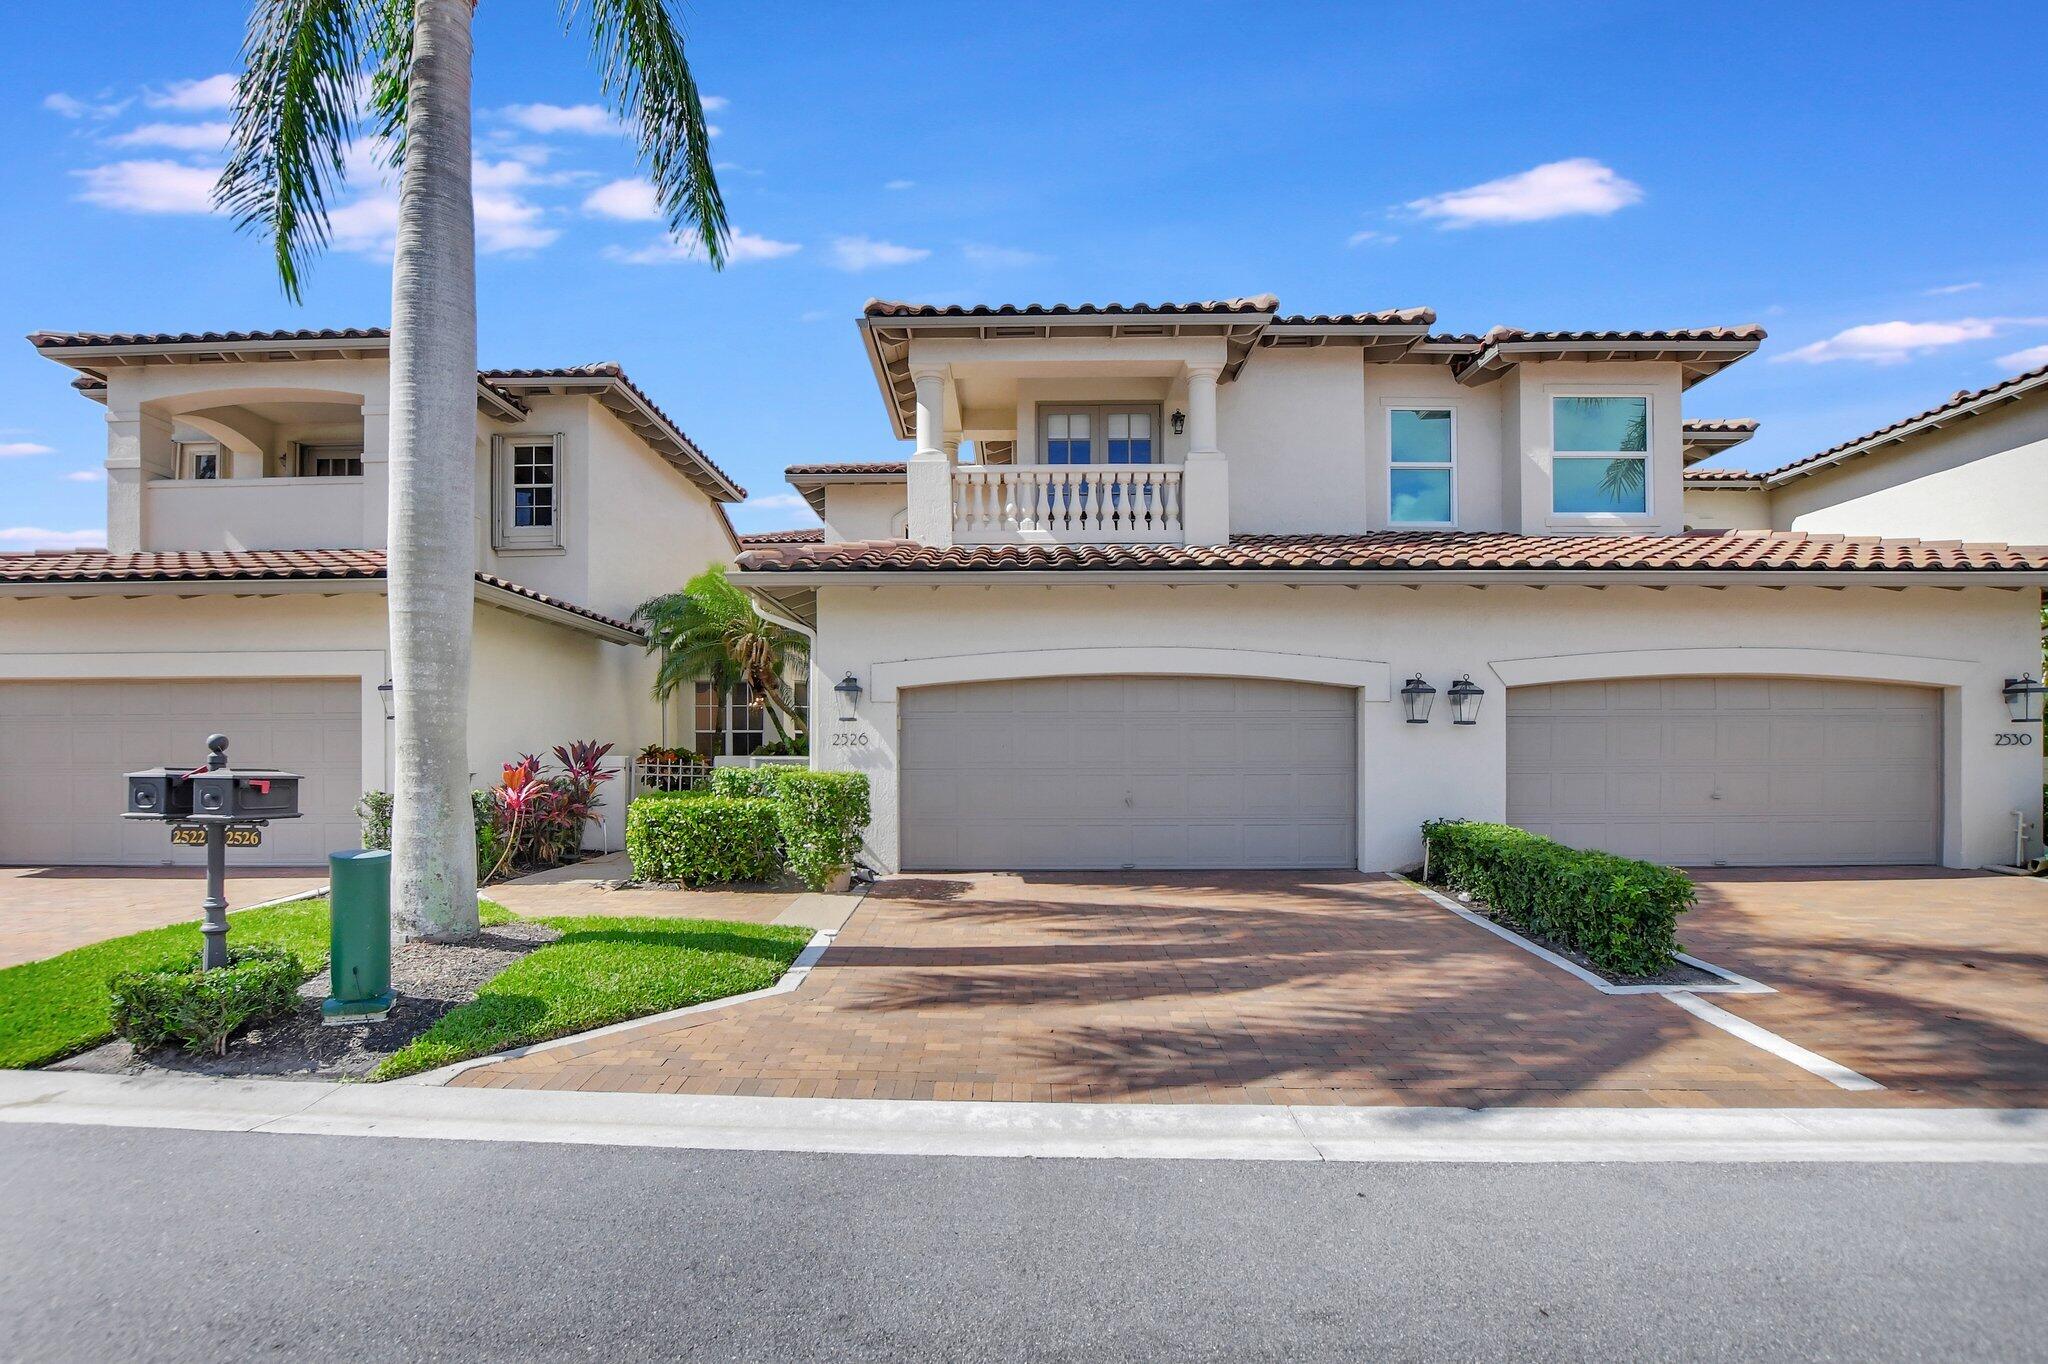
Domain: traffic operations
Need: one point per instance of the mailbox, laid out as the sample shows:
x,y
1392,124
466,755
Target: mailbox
x,y
243,793
159,793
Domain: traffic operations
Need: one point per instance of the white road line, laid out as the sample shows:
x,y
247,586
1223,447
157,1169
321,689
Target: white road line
x,y
1834,1072
1075,1131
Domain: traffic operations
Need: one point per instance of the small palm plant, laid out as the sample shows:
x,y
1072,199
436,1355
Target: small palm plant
x,y
298,108
712,631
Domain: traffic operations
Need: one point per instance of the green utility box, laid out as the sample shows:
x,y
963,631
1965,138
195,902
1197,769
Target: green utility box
x,y
359,942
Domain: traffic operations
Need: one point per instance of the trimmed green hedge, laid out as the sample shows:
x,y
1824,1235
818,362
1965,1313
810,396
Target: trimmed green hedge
x,y
702,840
822,816
199,1009
756,783
1623,914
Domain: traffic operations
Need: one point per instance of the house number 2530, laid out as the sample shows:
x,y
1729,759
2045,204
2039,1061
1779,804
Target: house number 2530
x,y
2013,739
858,739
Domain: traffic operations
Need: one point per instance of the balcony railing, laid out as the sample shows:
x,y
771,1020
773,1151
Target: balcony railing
x,y
253,513
1094,504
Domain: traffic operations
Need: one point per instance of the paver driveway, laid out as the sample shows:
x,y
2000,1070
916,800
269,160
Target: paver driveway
x,y
1294,988
47,910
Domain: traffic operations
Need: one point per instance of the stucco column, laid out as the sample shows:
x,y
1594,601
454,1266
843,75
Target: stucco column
x,y
139,448
376,475
930,481
1205,482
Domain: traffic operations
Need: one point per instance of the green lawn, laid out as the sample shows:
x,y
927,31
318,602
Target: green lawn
x,y
602,971
56,1007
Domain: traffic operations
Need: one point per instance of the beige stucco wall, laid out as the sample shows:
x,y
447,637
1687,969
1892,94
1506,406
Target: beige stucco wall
x,y
866,511
1727,508
1293,428
1965,642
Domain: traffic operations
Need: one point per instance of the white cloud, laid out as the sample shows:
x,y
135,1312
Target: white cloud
x,y
1557,189
507,223
901,184
183,137
865,253
742,248
1944,290
2033,357
149,187
775,502
1000,257
367,226
36,537
631,201
86,476
70,106
1891,343
713,103
1368,237
562,118
214,92
12,448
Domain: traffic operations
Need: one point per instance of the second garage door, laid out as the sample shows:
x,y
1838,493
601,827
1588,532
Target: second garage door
x,y
64,746
1137,772
1734,771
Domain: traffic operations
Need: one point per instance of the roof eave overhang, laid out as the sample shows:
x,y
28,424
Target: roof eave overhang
x,y
1697,360
1724,484
1380,341
1932,422
624,401
771,580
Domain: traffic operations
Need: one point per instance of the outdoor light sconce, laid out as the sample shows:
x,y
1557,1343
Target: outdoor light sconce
x,y
848,692
1416,698
2023,698
388,694
1180,421
1465,694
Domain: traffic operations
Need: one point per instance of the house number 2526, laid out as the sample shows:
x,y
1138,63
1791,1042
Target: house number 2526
x,y
857,739
2013,739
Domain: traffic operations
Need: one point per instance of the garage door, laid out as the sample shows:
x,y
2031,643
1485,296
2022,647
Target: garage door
x,y
1730,771
64,746
1113,772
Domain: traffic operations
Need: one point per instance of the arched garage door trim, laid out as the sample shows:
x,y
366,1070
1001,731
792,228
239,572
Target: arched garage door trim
x,y
1370,679
1846,664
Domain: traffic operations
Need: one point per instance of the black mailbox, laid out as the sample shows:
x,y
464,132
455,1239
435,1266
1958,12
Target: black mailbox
x,y
159,793
244,793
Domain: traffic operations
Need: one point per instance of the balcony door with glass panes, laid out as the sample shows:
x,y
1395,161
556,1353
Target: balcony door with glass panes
x,y
1097,433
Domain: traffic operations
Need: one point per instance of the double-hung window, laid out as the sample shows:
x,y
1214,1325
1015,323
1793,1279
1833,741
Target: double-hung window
x,y
527,481
1600,455
1421,445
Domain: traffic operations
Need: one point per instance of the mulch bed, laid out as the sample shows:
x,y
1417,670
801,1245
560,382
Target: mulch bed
x,y
430,979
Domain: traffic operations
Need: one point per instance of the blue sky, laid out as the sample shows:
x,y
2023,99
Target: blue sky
x,y
1865,180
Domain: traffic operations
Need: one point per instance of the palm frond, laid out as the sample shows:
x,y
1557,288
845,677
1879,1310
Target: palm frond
x,y
638,48
389,39
295,114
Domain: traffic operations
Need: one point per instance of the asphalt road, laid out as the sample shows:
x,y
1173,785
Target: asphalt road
x,y
142,1244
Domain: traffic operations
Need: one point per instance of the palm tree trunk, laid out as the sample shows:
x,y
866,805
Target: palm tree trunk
x,y
433,481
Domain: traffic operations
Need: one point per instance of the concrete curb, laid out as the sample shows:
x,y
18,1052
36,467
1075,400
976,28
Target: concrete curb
x,y
1072,1131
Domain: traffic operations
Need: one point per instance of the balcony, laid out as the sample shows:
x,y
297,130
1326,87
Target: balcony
x,y
254,514
1086,504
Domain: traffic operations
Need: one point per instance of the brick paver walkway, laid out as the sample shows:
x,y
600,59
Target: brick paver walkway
x,y
47,910
1334,988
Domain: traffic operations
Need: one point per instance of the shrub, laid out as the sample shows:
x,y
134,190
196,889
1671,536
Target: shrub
x,y
702,840
202,1009
1623,914
798,746
760,783
822,816
374,810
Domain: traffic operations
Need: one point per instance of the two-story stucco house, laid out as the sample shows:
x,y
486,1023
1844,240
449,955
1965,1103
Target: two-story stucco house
x,y
1973,467
242,584
1181,607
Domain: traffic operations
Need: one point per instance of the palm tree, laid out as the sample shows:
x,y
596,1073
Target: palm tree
x,y
297,109
712,631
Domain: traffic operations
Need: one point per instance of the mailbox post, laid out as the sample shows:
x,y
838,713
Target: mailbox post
x,y
213,801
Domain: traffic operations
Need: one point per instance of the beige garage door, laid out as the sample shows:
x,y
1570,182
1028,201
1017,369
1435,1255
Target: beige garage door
x,y
1730,771
64,746
1115,772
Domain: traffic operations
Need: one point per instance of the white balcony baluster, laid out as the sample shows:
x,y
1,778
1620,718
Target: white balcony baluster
x,y
1068,504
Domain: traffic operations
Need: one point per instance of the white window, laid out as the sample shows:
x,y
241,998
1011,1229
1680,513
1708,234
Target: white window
x,y
330,461
1101,433
1600,460
528,492
732,724
1421,453
199,459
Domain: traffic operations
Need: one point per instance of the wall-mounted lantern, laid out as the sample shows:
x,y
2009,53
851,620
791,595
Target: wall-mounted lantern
x,y
848,692
1464,695
1416,698
1180,421
2023,698
388,694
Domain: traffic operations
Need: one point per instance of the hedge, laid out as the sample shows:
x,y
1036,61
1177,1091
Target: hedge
x,y
759,783
702,840
822,816
202,1009
1623,914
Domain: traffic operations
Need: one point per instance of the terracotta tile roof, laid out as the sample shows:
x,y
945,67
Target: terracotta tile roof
x,y
1723,476
250,566
1389,317
613,371
1718,426
807,535
2004,390
1408,551
881,307
1747,332
883,467
61,340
